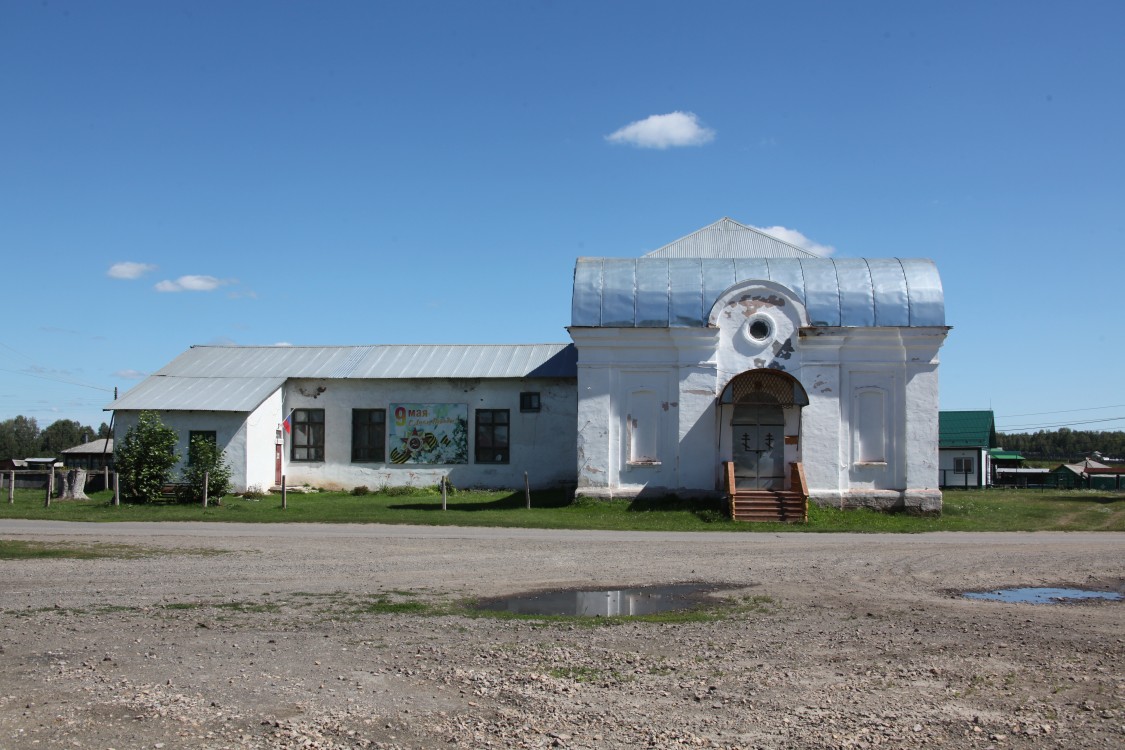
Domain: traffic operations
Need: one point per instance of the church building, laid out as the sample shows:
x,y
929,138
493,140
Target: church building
x,y
727,363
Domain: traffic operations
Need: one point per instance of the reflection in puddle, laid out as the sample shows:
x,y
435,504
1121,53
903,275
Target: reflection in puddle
x,y
1041,595
639,601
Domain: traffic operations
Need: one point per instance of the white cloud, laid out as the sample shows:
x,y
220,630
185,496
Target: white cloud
x,y
129,374
793,237
664,131
192,284
129,270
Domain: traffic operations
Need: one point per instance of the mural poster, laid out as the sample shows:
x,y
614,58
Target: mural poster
x,y
429,434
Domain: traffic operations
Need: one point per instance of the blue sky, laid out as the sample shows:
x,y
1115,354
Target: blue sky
x,y
365,173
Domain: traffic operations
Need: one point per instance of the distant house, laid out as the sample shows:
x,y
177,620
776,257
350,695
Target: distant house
x,y
1008,470
965,439
96,454
1088,474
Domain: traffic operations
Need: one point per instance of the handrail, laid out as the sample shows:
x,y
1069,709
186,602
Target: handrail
x,y
797,478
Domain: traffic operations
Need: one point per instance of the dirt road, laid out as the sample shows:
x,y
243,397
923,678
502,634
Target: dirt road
x,y
288,636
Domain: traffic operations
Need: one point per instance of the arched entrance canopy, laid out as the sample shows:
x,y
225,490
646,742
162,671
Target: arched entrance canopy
x,y
764,387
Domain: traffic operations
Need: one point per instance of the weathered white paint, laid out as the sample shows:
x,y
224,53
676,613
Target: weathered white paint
x,y
868,436
542,443
262,427
231,434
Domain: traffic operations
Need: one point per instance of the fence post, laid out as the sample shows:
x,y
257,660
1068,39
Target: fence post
x,y
50,488
527,490
116,488
206,481
105,477
11,487
443,493
284,499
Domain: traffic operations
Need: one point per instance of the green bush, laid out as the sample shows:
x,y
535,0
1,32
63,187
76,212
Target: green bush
x,y
205,460
144,458
361,490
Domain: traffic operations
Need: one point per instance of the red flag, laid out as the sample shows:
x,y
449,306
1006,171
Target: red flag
x,y
287,424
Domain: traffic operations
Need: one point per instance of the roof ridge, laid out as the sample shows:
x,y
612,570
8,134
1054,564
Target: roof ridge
x,y
724,224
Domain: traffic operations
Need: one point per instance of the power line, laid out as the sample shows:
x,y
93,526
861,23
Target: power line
x,y
1061,411
1058,424
62,380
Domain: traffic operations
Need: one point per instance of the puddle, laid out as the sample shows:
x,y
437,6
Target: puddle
x,y
1042,595
645,600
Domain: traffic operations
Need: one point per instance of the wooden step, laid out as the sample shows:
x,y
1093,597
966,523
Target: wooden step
x,y
767,505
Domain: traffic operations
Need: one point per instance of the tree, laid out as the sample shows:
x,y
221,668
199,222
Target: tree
x,y
19,437
205,459
145,458
104,431
63,434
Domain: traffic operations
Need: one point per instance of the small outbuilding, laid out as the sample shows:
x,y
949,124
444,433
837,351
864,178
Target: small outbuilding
x,y
965,444
92,455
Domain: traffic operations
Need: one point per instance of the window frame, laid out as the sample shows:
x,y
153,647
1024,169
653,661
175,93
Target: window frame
x,y
496,454
963,465
376,450
300,420
530,401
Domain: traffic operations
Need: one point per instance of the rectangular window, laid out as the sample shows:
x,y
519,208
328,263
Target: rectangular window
x,y
209,435
529,401
492,436
369,435
963,465
308,435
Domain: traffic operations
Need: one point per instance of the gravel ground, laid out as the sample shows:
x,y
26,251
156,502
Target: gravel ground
x,y
254,636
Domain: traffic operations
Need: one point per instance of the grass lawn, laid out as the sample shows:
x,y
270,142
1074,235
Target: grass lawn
x,y
965,510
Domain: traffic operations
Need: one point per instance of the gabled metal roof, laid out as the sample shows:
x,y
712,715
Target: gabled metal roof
x,y
727,238
182,393
966,429
101,445
240,378
657,292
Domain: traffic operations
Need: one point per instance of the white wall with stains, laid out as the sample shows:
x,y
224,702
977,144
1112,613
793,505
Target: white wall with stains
x,y
868,436
542,443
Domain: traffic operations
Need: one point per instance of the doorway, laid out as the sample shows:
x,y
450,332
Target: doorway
x,y
758,447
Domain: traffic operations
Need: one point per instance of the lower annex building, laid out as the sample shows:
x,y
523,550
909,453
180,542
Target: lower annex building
x,y
728,346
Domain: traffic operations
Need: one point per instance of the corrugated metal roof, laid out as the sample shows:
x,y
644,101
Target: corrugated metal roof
x,y
239,378
679,292
726,238
101,445
185,393
966,429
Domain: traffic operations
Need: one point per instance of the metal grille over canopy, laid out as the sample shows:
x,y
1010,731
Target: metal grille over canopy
x,y
765,387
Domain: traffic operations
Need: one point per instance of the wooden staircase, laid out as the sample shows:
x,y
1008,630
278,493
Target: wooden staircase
x,y
787,506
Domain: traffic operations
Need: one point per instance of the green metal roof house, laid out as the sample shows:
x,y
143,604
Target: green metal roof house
x,y
964,441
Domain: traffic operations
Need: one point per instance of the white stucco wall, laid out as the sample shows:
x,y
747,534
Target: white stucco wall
x,y
262,428
868,436
542,443
230,430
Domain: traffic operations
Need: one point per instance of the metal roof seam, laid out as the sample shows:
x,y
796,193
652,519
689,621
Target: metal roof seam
x,y
871,282
839,296
909,301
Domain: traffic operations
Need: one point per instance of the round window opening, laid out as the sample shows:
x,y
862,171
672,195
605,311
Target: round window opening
x,y
759,330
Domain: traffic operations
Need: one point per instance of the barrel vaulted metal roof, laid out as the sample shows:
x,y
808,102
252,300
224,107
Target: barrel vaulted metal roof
x,y
678,291
240,378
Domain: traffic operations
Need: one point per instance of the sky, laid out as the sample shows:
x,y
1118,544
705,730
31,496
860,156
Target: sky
x,y
312,173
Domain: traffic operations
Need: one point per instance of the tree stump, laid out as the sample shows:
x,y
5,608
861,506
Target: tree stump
x,y
75,486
